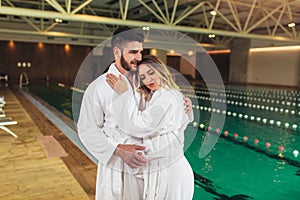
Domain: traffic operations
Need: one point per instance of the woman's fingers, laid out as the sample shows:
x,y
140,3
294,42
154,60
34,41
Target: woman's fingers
x,y
112,80
112,77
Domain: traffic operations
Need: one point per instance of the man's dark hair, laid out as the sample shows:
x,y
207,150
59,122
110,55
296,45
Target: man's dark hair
x,y
125,34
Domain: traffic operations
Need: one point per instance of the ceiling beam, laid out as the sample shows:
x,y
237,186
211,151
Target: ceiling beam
x,y
291,20
214,16
152,11
264,18
56,5
234,14
167,10
179,19
160,11
249,15
51,26
90,37
174,11
113,21
278,20
53,34
125,10
68,5
24,18
81,6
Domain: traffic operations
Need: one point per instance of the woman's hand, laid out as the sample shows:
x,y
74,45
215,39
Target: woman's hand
x,y
187,105
118,84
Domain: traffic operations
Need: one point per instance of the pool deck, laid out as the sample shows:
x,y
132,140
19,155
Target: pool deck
x,y
26,171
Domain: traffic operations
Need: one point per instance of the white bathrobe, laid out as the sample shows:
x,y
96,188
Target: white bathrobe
x,y
100,135
161,125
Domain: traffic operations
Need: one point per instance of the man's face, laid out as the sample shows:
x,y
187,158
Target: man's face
x,y
131,55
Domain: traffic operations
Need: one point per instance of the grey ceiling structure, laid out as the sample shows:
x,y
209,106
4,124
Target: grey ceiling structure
x,y
212,23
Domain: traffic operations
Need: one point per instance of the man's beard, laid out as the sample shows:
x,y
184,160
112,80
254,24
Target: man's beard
x,y
125,64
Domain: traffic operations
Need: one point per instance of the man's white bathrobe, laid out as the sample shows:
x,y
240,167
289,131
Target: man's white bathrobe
x,y
161,126
100,135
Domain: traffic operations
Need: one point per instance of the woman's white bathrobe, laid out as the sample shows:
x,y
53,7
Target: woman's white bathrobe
x,y
161,126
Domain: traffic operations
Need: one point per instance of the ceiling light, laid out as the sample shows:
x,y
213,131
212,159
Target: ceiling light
x,y
40,45
211,35
172,52
190,53
153,52
219,51
213,12
291,25
282,48
58,20
11,44
67,47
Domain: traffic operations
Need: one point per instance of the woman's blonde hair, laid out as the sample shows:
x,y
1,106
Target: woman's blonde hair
x,y
161,69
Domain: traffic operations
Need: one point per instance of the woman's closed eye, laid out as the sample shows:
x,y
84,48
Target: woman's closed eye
x,y
142,77
151,72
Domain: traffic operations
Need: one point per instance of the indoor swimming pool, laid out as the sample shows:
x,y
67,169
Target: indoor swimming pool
x,y
256,154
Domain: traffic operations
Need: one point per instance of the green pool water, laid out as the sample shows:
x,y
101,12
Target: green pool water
x,y
234,169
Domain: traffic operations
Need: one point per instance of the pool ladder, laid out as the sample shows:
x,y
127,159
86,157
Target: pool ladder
x,y
23,79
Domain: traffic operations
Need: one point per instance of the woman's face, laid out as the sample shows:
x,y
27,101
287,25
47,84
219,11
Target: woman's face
x,y
149,77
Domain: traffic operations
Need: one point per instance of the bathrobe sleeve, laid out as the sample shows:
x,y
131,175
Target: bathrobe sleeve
x,y
191,116
90,125
165,111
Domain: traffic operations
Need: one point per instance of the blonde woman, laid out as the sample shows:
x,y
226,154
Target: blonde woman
x,y
159,121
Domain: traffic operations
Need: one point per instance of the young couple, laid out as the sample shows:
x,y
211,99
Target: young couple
x,y
132,119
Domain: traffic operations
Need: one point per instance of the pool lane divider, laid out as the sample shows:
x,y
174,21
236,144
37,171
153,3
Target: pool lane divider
x,y
284,94
237,100
268,108
243,140
252,118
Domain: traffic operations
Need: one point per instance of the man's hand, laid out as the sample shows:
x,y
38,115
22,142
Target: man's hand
x,y
118,84
127,152
187,105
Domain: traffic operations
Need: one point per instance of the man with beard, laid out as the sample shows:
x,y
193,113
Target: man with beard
x,y
99,132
